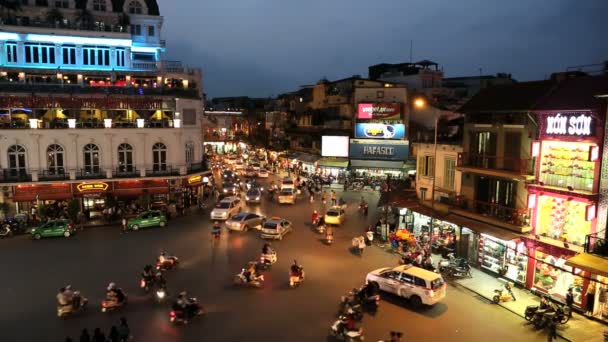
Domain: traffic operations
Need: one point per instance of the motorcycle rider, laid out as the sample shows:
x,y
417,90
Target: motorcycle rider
x,y
296,270
148,274
217,228
63,298
315,217
180,305
267,249
114,294
329,234
347,324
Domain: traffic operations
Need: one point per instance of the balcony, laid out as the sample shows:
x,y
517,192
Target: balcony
x,y
90,173
85,89
145,66
14,175
196,167
53,174
596,245
511,167
515,219
125,172
162,170
21,24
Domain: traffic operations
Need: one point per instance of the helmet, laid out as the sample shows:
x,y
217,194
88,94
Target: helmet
x,y
111,286
163,253
159,274
68,287
314,212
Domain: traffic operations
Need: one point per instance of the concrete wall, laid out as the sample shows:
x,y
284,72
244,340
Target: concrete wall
x,y
443,152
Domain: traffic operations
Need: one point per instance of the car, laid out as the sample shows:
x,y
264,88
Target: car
x,y
226,208
263,173
244,221
418,285
335,215
54,228
147,219
287,195
239,165
230,159
275,228
228,175
250,172
253,195
287,183
230,189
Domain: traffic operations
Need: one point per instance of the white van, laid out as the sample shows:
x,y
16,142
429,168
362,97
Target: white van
x,y
420,286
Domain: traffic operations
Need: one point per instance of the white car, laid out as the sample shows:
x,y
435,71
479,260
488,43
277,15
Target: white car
x,y
263,173
226,208
420,286
287,195
287,183
276,228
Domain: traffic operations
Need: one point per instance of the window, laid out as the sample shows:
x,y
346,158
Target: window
x,y
69,54
95,56
189,153
149,57
39,53
151,31
54,159
91,159
120,57
426,166
449,173
125,158
16,160
380,94
189,116
135,7
136,30
419,282
62,3
99,5
159,157
11,52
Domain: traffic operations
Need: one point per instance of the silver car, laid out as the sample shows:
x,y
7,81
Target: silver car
x,y
254,195
244,221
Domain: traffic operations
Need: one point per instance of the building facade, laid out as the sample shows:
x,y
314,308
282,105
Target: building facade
x,y
90,110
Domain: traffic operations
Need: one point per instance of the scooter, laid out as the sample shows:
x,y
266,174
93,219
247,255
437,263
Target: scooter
x,y
267,260
193,309
296,280
5,231
503,295
110,305
321,229
351,306
343,334
445,263
169,263
241,279
79,304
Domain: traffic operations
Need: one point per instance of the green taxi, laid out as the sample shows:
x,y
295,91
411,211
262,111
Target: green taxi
x,y
147,219
54,228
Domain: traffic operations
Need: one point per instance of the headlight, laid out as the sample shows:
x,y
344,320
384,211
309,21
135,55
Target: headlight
x,y
225,190
257,198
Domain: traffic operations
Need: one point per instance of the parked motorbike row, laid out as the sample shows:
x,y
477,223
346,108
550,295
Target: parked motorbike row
x,y
545,313
351,310
453,267
12,226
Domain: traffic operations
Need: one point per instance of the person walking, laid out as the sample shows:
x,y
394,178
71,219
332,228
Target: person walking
x,y
124,224
333,198
324,197
98,336
361,245
551,331
124,333
113,336
569,301
84,336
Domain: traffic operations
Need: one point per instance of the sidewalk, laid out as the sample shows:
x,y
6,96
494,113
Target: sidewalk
x,y
578,328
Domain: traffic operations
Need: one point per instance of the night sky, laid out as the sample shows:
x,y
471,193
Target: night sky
x,y
262,48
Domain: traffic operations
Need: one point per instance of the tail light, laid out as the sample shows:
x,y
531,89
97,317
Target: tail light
x,y
172,314
431,293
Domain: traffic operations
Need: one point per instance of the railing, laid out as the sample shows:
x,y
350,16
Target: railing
x,y
518,217
53,174
521,166
125,172
14,175
148,66
162,170
90,173
65,88
596,245
196,167
14,21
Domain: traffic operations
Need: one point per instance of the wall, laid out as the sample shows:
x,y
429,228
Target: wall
x,y
443,152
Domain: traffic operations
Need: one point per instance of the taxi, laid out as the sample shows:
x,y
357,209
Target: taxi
x,y
54,228
152,218
287,195
335,215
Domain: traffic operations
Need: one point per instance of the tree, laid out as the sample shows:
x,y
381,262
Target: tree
x,y
54,17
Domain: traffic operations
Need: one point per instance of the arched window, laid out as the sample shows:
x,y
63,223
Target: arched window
x,y
125,158
91,159
135,7
159,157
99,5
54,159
189,153
16,161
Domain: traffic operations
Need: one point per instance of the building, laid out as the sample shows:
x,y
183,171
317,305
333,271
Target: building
x,y
423,76
89,110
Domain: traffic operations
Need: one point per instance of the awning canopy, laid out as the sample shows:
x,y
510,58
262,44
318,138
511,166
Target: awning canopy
x,y
590,263
307,158
376,164
340,163
481,227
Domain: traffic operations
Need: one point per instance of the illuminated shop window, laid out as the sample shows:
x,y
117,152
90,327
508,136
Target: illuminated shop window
x,y
11,52
39,53
567,164
552,276
562,218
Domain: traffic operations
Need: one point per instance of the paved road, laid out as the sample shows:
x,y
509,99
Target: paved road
x,y
32,271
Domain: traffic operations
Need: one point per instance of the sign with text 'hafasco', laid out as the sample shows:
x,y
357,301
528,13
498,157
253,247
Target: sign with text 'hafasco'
x,y
379,131
379,111
578,124
379,150
97,186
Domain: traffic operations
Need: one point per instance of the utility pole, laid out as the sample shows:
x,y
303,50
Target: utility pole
x,y
411,50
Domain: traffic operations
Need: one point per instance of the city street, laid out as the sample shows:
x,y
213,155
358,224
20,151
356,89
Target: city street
x,y
33,271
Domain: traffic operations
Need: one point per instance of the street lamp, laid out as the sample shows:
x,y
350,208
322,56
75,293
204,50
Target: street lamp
x,y
420,103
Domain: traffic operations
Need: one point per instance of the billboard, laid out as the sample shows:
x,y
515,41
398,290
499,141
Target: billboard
x,y
334,146
379,131
379,111
379,150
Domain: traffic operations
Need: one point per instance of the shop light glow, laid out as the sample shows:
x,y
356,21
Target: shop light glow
x,y
72,123
536,149
590,212
77,40
594,153
140,123
107,123
531,201
34,123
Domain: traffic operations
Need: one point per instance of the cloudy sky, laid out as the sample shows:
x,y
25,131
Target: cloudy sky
x,y
263,48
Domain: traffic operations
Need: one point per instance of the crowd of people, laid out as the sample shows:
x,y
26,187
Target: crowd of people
x,y
120,333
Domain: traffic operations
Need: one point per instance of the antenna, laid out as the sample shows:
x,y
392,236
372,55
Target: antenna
x,y
411,50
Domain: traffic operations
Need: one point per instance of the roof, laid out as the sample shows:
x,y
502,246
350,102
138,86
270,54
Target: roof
x,y
577,93
417,271
517,97
117,6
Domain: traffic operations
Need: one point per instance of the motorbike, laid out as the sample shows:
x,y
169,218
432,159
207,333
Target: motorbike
x,y
161,293
110,305
14,225
363,208
169,263
79,303
369,296
5,231
295,279
329,239
321,229
267,260
349,305
343,334
540,317
455,267
241,279
503,295
145,284
444,263
193,309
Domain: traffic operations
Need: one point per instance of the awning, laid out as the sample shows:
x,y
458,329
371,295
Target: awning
x,y
590,263
376,164
481,227
340,163
307,158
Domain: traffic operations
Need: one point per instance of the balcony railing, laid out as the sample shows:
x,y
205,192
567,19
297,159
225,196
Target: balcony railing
x,y
14,175
125,172
148,66
517,217
162,170
596,245
90,173
22,21
196,167
65,88
520,166
53,174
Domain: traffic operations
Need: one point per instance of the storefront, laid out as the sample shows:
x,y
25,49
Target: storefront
x,y
378,158
221,147
596,286
307,162
332,166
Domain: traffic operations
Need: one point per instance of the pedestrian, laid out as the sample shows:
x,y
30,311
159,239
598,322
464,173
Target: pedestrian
x,y
312,197
124,224
361,245
124,333
551,330
569,301
98,336
113,336
333,198
84,336
80,218
324,197
396,336
590,298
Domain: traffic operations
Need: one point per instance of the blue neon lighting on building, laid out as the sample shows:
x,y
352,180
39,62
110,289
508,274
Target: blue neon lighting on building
x,y
78,40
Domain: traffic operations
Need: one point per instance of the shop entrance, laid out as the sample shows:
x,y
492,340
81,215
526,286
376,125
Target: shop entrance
x,y
93,207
